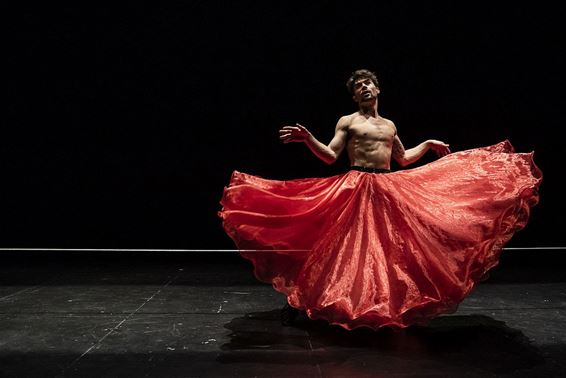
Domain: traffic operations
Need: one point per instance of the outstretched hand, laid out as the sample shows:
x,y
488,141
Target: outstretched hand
x,y
297,133
439,147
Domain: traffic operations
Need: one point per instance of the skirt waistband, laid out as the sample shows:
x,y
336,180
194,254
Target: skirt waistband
x,y
370,170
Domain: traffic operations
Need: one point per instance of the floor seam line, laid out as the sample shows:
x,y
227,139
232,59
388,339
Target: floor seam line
x,y
99,342
311,352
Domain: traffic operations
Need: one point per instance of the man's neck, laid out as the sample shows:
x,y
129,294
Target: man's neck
x,y
369,110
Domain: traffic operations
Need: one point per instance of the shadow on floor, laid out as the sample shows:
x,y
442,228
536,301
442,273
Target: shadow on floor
x,y
475,342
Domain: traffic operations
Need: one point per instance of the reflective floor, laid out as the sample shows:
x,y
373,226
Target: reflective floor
x,y
205,315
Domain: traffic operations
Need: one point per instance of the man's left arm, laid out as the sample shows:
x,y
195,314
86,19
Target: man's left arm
x,y
406,157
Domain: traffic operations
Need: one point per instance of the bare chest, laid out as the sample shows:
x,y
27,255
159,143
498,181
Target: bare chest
x,y
371,130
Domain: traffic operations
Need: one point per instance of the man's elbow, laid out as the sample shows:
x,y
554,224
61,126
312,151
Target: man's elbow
x,y
403,162
331,159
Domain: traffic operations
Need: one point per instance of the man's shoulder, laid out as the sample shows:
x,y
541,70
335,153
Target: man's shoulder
x,y
389,122
346,120
343,123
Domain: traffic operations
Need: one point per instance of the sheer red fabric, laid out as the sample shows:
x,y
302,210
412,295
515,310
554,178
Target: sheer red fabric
x,y
390,249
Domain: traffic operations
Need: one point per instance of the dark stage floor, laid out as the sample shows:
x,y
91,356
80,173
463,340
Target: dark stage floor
x,y
204,315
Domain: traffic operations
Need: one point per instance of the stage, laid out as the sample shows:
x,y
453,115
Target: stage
x,y
203,314
124,124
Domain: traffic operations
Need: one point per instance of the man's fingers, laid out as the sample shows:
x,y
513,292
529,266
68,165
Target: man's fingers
x,y
295,133
441,148
444,151
287,128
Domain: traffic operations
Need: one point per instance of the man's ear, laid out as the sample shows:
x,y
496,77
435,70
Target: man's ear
x,y
354,98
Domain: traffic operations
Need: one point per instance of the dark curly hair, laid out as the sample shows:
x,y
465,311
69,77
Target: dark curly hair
x,y
360,74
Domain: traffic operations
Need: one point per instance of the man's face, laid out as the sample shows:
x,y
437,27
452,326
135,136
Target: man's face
x,y
365,90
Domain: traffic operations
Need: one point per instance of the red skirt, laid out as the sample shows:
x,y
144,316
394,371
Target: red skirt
x,y
383,249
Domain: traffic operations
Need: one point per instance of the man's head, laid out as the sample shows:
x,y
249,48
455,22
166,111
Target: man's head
x,y
363,85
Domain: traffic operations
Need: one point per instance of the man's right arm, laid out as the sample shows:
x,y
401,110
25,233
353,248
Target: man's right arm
x,y
329,154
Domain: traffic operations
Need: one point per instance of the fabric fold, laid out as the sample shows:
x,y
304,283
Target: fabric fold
x,y
393,249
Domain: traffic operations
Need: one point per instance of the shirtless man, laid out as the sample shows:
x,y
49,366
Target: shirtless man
x,y
370,139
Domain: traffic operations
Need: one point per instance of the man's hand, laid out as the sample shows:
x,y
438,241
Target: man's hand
x,y
439,147
295,133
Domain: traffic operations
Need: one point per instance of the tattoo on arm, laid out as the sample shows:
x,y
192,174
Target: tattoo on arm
x,y
398,150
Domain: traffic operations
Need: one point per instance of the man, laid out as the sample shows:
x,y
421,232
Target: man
x,y
370,139
374,248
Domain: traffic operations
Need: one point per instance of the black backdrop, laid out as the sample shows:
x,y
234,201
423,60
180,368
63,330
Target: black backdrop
x,y
124,124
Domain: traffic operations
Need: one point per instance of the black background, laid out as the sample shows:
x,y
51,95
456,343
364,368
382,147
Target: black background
x,y
123,125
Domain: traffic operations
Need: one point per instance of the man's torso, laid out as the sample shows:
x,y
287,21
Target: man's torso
x,y
370,141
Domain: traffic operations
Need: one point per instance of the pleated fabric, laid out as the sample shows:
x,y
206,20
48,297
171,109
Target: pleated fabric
x,y
383,249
